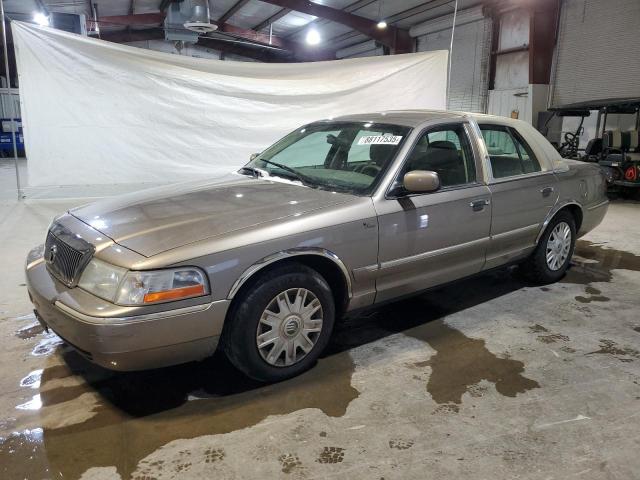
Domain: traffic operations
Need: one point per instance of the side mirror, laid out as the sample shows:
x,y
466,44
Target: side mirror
x,y
421,181
253,156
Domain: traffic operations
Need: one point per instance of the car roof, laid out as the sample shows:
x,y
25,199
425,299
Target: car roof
x,y
413,118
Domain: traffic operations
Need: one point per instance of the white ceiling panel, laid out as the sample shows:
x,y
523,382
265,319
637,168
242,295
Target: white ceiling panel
x,y
253,13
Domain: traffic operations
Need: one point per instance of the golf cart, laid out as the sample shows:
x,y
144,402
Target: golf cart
x,y
616,150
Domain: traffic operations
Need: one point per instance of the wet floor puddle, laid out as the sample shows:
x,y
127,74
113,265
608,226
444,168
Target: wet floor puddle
x,y
595,263
138,413
29,331
461,363
135,414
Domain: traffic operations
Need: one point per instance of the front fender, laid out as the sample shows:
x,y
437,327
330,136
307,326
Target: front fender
x,y
291,253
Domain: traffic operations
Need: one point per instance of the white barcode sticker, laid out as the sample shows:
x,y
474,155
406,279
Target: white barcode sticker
x,y
380,140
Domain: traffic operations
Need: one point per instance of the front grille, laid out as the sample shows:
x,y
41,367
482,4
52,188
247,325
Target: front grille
x,y
66,255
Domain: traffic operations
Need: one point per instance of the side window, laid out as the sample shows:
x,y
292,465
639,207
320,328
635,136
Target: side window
x,y
445,150
509,153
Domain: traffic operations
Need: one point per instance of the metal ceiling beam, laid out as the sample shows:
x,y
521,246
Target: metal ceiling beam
x,y
397,17
130,20
300,52
352,7
392,37
232,11
257,39
125,36
272,19
238,48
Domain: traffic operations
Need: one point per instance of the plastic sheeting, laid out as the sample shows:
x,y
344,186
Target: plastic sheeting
x,y
96,112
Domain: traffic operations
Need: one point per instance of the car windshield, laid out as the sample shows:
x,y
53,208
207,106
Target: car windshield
x,y
343,156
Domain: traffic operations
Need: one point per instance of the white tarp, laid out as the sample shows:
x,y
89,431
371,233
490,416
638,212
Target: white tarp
x,y
96,112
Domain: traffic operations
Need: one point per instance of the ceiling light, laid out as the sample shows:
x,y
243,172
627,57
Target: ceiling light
x,y
313,37
382,24
41,19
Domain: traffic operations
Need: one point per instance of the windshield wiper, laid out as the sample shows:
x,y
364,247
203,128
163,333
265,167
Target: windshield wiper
x,y
253,171
299,176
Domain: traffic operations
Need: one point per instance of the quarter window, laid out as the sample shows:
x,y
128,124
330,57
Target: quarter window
x,y
510,155
445,150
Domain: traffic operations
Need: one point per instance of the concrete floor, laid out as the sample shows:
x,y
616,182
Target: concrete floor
x,y
487,379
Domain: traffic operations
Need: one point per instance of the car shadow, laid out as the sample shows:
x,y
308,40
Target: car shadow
x,y
139,394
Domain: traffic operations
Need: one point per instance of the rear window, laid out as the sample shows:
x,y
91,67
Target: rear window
x,y
509,153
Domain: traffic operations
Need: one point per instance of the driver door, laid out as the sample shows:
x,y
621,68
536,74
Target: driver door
x,y
433,238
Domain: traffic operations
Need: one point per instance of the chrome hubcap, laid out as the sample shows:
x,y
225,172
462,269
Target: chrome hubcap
x,y
289,327
558,246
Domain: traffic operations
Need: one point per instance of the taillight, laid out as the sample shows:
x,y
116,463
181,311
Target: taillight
x,y
631,174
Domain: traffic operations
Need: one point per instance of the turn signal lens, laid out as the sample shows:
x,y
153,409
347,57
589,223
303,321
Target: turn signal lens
x,y
174,294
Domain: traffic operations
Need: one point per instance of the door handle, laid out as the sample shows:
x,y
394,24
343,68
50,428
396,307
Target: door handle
x,y
478,205
546,191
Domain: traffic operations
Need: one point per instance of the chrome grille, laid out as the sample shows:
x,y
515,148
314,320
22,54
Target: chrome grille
x,y
66,255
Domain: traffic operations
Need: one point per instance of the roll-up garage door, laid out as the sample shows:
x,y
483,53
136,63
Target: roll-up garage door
x,y
597,53
470,59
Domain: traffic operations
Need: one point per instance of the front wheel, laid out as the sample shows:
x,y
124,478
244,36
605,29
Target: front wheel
x,y
280,324
551,258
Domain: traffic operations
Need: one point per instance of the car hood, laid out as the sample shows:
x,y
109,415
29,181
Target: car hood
x,y
160,219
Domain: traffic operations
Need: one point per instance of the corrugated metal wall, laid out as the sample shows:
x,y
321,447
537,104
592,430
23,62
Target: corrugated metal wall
x,y
470,63
597,54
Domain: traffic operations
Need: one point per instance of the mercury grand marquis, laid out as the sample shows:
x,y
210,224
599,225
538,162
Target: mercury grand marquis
x,y
339,215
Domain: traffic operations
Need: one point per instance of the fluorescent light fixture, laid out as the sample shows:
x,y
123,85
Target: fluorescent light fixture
x,y
41,19
382,24
313,37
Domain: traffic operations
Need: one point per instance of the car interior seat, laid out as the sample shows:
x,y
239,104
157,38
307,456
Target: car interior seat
x,y
625,143
506,166
634,144
443,158
381,154
594,147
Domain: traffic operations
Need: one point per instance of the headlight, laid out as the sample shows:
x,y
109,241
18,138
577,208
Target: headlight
x,y
140,288
119,286
102,279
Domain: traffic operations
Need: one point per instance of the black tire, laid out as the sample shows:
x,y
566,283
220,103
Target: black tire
x,y
241,326
535,268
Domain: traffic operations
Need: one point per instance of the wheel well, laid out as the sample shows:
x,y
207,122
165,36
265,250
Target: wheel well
x,y
576,212
324,266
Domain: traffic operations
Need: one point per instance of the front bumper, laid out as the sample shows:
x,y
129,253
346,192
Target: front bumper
x,y
124,339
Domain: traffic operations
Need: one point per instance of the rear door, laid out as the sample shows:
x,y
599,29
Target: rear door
x,y
522,193
433,238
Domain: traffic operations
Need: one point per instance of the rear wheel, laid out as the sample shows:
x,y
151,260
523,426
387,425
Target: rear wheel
x,y
551,258
279,326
